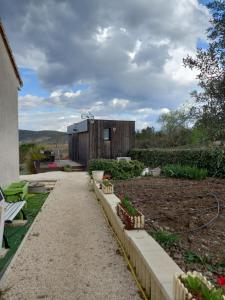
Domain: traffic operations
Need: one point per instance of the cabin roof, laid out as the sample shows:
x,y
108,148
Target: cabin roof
x,y
82,126
10,53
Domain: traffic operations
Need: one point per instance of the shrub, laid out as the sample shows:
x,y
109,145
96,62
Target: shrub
x,y
118,169
67,168
211,159
178,171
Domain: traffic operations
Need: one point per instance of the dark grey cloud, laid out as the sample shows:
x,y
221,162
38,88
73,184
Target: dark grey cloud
x,y
125,49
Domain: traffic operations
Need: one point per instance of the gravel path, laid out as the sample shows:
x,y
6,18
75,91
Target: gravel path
x,y
70,252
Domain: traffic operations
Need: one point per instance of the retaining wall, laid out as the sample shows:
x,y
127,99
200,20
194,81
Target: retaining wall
x,y
154,267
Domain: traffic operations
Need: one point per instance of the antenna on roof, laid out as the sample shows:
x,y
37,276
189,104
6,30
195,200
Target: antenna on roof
x,y
88,116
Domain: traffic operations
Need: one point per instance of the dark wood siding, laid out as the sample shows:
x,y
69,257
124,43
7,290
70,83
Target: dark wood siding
x,y
91,144
83,147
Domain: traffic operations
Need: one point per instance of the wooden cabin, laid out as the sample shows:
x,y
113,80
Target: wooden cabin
x,y
92,139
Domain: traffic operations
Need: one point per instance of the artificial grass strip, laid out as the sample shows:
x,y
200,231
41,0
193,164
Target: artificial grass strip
x,y
15,235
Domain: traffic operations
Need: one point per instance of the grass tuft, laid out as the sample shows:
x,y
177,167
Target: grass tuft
x,y
188,172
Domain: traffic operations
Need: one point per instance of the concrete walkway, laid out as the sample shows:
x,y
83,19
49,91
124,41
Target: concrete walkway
x,y
70,252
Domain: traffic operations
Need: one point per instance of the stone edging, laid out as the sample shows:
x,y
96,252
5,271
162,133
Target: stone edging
x,y
154,268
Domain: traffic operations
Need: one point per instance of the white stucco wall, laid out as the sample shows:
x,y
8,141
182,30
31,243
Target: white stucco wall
x,y
9,144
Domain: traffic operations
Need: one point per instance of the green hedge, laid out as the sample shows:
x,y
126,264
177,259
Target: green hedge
x,y
118,169
212,159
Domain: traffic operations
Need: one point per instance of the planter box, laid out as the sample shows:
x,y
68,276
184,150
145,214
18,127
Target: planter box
x,y
181,292
107,189
130,222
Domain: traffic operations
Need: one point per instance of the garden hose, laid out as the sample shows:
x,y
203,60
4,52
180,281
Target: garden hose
x,y
144,296
210,221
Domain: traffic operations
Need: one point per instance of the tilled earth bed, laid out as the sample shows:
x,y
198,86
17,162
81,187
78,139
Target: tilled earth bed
x,y
193,210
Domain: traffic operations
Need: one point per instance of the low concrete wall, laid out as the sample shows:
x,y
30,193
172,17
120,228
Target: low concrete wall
x,y
154,267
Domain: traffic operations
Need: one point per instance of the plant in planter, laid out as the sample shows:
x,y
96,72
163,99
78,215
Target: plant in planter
x,y
194,285
130,216
107,187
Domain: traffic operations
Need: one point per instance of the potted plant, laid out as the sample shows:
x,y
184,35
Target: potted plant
x,y
130,216
107,186
98,175
194,285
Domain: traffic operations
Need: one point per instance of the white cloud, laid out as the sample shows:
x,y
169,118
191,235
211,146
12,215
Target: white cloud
x,y
120,103
174,67
29,102
103,34
35,114
136,49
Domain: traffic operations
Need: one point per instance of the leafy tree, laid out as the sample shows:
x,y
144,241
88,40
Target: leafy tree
x,y
34,154
175,127
199,136
216,32
209,107
23,149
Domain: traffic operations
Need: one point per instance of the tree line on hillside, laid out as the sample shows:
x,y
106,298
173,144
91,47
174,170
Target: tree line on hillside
x,y
204,122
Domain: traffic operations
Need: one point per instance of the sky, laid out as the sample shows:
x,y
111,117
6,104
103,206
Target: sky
x,y
118,59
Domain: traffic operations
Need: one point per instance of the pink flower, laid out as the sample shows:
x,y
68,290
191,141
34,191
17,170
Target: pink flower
x,y
221,280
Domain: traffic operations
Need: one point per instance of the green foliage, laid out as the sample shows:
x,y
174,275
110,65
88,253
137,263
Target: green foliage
x,y
178,171
149,138
174,125
209,62
221,264
193,283
118,169
34,154
192,257
165,238
197,287
214,294
128,206
106,182
199,136
211,159
23,150
67,168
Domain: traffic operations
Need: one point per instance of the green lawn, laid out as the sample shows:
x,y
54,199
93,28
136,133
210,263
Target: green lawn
x,y
15,235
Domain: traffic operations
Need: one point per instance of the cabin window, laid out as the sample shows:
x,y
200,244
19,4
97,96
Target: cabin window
x,y
106,134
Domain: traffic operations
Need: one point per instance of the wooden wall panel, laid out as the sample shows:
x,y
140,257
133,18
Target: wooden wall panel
x,y
83,147
91,144
122,139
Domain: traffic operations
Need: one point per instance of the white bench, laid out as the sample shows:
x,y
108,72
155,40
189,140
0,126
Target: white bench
x,y
11,210
8,212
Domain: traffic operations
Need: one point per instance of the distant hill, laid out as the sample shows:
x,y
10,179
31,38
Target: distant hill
x,y
43,137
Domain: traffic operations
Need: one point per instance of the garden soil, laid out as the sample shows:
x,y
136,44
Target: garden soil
x,y
184,207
